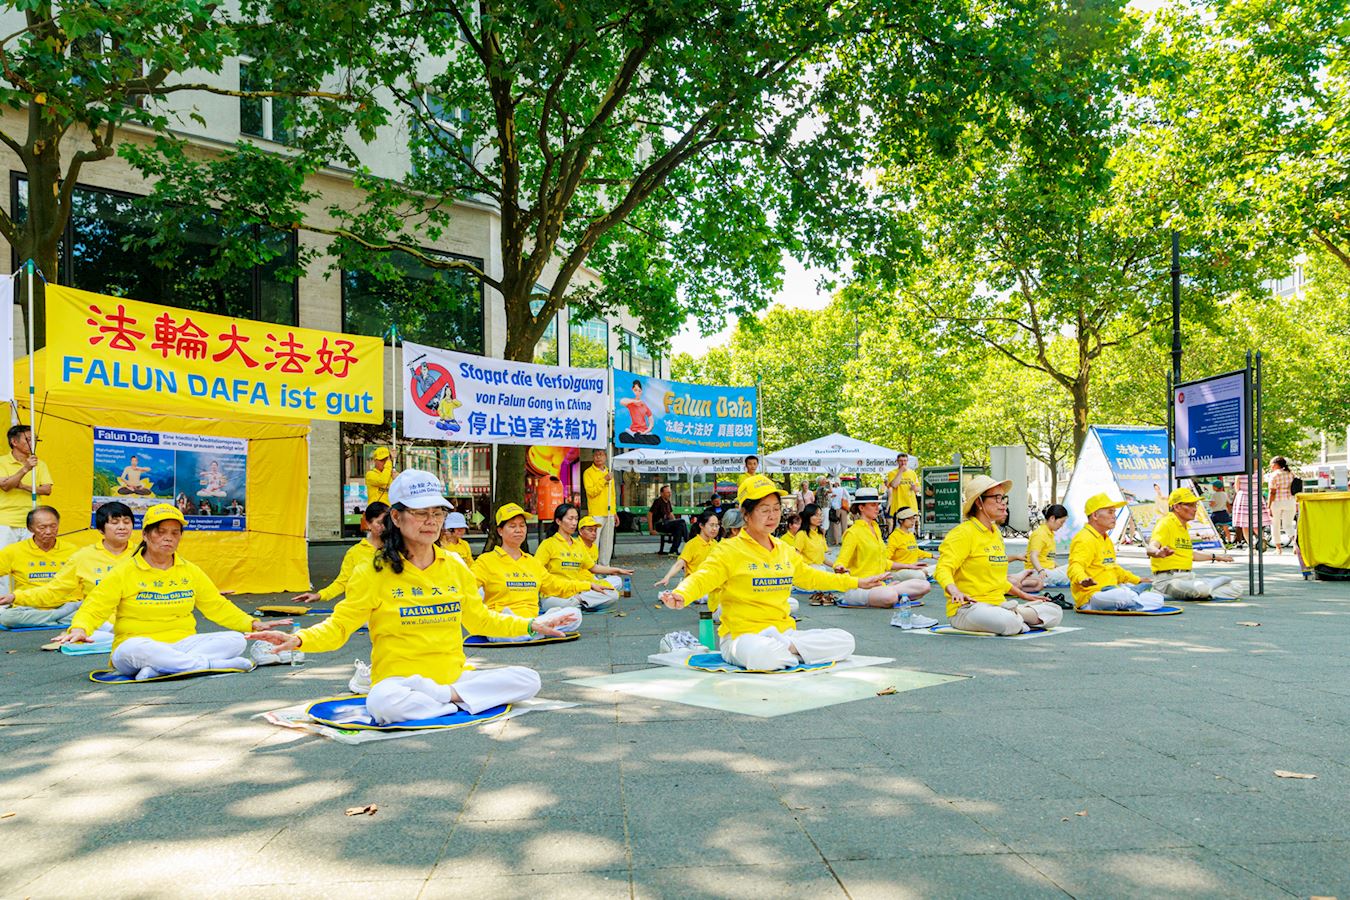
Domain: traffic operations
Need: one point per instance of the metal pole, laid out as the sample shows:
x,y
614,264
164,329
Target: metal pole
x,y
1176,307
394,390
1260,510
1171,433
31,270
1247,418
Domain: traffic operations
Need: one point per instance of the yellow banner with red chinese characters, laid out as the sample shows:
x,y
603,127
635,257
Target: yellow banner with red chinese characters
x,y
119,352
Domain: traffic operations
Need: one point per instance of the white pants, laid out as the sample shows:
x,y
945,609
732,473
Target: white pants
x,y
405,697
771,649
545,607
1282,519
1028,580
886,595
11,535
605,540
16,616
1009,618
587,600
1184,584
1056,577
217,650
1127,596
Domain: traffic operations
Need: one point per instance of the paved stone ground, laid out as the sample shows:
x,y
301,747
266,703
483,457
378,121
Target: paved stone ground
x,y
1134,757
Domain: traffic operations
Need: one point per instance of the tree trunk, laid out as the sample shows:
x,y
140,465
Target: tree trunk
x,y
509,475
1080,411
40,233
1054,480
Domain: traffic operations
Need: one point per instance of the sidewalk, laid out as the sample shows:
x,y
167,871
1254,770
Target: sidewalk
x,y
1130,757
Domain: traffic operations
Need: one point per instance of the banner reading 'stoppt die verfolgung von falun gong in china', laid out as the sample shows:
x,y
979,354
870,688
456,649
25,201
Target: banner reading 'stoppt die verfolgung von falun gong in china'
x,y
459,397
124,353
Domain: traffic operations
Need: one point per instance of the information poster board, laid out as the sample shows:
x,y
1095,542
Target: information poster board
x,y
205,476
1211,426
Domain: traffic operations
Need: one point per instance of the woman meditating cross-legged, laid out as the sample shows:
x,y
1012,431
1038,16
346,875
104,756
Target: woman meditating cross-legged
x,y
754,573
419,598
863,552
151,598
514,582
563,554
973,569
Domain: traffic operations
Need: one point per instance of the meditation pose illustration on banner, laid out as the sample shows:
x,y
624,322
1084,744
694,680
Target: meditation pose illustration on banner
x,y
640,414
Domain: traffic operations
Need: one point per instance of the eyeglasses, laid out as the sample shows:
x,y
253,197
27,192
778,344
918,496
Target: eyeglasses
x,y
432,512
997,498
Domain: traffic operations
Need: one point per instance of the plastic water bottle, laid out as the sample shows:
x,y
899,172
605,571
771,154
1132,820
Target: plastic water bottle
x,y
297,655
627,586
707,630
904,617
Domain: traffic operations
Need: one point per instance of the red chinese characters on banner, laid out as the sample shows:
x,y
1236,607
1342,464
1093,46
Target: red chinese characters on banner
x,y
337,361
116,327
186,339
288,354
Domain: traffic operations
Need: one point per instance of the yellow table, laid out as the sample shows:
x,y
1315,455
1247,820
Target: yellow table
x,y
1324,528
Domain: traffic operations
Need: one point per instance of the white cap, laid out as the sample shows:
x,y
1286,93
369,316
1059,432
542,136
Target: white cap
x,y
416,489
455,520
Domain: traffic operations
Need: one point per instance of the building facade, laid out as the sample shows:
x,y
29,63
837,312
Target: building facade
x,y
432,307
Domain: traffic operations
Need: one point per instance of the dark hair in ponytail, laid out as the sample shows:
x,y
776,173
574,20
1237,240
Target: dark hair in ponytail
x,y
1055,511
392,550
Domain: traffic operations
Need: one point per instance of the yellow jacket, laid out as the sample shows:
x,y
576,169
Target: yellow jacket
x,y
1172,532
417,618
811,546
695,551
363,551
461,549
28,565
904,495
903,547
515,585
974,559
592,553
86,567
377,484
599,495
15,504
562,558
157,603
1093,555
1041,548
755,583
863,552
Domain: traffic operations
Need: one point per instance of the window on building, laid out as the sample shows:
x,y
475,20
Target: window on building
x,y
588,343
99,253
546,350
270,118
440,307
635,358
440,133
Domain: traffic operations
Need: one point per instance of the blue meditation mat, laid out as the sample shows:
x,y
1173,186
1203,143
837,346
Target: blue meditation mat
x,y
349,713
1160,611
33,627
952,629
477,640
713,662
112,676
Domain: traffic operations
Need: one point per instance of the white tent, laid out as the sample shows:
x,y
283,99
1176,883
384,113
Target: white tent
x,y
834,454
659,462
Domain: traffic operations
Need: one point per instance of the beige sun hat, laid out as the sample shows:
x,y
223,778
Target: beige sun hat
x,y
978,485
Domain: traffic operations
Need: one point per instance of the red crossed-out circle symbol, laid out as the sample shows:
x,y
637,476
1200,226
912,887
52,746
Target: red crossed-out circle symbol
x,y
442,380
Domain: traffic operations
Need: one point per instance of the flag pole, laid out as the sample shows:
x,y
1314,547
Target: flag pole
x,y
32,383
394,393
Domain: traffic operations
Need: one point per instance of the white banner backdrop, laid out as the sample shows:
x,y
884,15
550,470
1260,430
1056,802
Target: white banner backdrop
x,y
7,285
460,397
